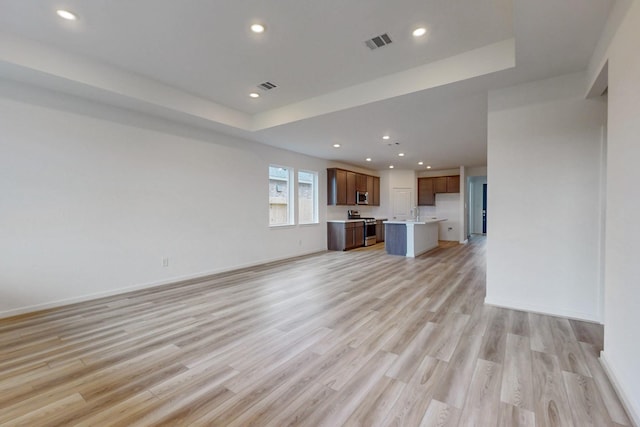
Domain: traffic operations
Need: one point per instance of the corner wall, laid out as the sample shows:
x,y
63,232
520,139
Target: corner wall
x,y
544,155
621,355
91,206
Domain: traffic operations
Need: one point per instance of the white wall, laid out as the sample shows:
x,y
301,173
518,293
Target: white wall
x,y
91,206
476,171
621,353
442,172
544,152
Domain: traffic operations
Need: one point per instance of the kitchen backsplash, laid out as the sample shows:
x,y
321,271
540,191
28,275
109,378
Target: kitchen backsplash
x,y
340,212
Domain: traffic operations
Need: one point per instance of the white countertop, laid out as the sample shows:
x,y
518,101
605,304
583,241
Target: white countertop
x,y
423,221
352,220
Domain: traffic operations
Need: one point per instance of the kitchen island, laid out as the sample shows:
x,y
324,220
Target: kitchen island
x,y
411,238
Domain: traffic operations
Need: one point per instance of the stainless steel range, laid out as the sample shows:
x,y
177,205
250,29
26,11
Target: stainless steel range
x,y
369,227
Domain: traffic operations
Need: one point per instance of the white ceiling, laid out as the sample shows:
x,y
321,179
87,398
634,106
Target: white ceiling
x,y
197,61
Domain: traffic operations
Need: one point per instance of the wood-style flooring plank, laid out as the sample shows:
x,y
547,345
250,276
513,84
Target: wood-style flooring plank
x,y
567,348
495,337
453,387
338,409
549,394
482,405
589,333
441,415
541,337
513,416
411,405
517,381
377,404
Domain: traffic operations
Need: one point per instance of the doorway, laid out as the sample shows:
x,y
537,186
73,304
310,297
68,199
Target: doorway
x,y
401,204
478,205
484,208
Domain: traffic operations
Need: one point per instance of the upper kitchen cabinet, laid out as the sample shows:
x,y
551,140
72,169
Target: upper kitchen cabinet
x,y
426,192
374,191
342,186
351,188
369,187
440,184
453,184
361,182
336,187
428,187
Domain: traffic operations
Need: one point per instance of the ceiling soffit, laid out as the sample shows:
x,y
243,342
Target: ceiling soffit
x,y
35,63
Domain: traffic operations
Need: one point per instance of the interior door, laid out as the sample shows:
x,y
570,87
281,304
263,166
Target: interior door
x,y
484,208
401,203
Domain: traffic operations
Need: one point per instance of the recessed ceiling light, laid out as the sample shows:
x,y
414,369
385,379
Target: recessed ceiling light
x,y
386,137
368,159
254,95
421,163
419,32
401,154
65,14
428,167
336,145
390,166
257,28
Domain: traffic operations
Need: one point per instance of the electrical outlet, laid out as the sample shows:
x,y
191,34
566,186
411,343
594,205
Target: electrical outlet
x,y
165,262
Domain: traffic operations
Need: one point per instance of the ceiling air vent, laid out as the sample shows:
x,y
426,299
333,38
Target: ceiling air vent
x,y
378,41
267,86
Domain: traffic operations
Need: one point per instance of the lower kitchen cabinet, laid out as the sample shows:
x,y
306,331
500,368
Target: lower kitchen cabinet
x,y
380,230
342,236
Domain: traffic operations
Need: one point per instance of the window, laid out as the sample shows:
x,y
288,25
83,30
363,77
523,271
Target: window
x,y
307,197
280,196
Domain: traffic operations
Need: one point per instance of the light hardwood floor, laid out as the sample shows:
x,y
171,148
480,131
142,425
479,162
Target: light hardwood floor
x,y
355,338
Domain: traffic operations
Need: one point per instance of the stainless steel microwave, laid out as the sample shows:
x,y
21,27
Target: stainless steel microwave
x,y
362,198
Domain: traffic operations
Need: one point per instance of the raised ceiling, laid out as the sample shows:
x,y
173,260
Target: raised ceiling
x,y
197,61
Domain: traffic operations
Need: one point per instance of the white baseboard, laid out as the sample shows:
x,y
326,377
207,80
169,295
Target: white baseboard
x,y
632,412
88,297
551,311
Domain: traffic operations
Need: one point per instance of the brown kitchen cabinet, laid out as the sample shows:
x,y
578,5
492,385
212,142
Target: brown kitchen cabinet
x,y
426,192
453,184
440,184
342,236
429,186
342,186
380,230
361,182
351,188
336,187
369,188
374,193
